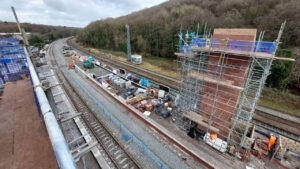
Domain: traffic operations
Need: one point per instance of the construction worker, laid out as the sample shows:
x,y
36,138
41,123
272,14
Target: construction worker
x,y
271,141
74,58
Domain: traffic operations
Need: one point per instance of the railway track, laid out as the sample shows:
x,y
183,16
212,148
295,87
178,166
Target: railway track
x,y
202,164
173,83
277,125
266,121
116,152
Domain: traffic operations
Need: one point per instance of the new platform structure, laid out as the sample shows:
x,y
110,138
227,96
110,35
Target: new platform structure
x,y
222,77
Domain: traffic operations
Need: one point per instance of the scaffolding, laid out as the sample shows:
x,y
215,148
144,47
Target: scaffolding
x,y
221,80
12,60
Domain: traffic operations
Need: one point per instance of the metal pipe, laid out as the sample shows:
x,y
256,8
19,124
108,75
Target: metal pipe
x,y
22,31
60,147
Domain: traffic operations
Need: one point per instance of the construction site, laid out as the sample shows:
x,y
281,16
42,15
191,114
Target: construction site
x,y
222,78
74,109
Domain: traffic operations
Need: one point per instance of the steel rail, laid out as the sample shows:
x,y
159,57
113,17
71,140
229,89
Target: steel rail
x,y
173,83
113,148
165,133
60,147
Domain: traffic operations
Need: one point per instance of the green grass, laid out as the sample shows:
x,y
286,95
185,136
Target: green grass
x,y
281,101
164,66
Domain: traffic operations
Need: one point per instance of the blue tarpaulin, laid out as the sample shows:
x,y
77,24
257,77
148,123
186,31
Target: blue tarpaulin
x,y
266,47
145,82
4,60
239,45
200,42
12,60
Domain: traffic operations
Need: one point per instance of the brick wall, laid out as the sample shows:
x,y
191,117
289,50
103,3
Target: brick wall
x,y
226,98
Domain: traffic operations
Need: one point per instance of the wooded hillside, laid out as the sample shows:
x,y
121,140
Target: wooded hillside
x,y
154,31
41,33
9,27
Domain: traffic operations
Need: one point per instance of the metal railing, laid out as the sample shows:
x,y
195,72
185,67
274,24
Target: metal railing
x,y
60,147
237,45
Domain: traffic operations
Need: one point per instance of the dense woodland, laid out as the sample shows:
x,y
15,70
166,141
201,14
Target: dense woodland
x,y
154,31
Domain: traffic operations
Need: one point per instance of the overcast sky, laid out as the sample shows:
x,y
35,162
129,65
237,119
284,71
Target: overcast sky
x,y
76,13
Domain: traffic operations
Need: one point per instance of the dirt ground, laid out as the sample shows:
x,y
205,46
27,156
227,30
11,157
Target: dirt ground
x,y
24,142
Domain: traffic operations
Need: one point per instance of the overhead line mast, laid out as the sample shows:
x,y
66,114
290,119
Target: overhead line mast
x,y
128,43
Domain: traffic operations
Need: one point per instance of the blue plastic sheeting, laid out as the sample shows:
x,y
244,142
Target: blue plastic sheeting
x,y
5,60
145,82
216,43
200,42
9,41
9,50
14,77
12,60
266,47
187,49
239,45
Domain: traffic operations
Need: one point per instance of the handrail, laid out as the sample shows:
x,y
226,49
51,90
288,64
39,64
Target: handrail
x,y
60,147
239,45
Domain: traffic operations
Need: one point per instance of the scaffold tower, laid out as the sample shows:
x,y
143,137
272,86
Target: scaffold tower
x,y
222,76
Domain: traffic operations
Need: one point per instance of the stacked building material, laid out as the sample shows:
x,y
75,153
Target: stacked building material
x,y
12,60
